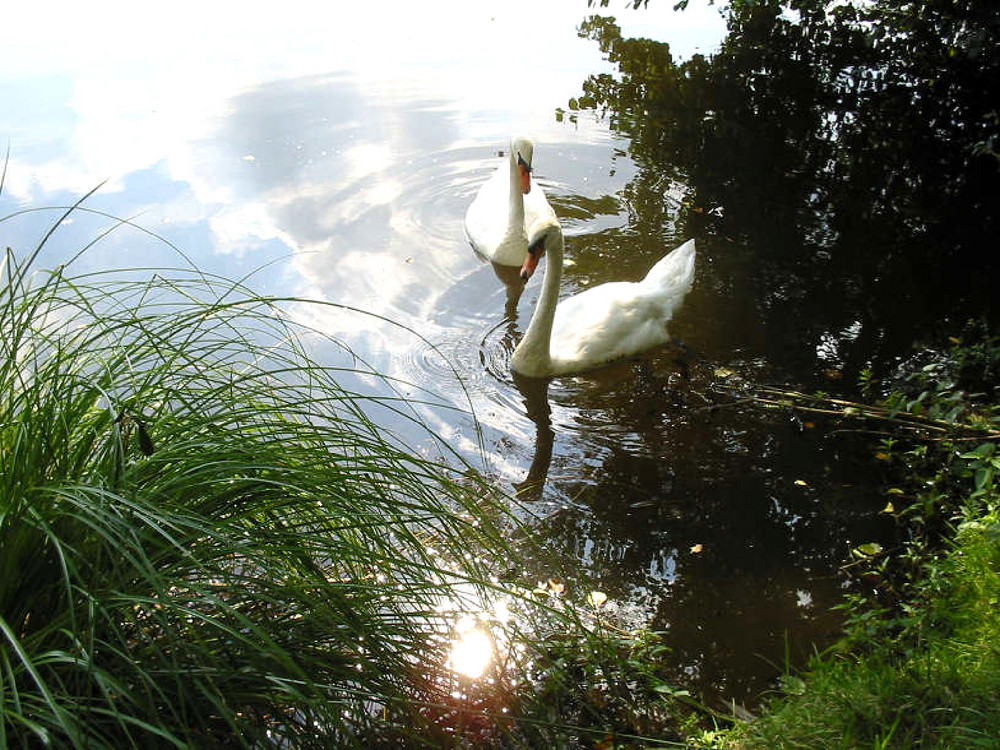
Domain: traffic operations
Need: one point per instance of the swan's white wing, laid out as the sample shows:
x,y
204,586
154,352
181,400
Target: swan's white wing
x,y
486,217
537,207
620,319
605,323
673,274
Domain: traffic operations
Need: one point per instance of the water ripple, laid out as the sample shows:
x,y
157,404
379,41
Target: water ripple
x,y
495,350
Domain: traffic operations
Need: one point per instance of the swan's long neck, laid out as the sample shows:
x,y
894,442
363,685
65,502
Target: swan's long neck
x,y
533,356
515,210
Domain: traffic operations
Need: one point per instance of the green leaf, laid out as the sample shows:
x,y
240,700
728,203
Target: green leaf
x,y
665,689
984,450
793,685
984,476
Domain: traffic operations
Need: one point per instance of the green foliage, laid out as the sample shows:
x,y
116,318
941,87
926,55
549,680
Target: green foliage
x,y
918,665
608,686
943,691
596,685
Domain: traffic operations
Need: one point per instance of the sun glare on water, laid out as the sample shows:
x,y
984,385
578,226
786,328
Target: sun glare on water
x,y
471,651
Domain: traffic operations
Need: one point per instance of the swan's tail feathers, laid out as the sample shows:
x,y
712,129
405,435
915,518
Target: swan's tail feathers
x,y
675,271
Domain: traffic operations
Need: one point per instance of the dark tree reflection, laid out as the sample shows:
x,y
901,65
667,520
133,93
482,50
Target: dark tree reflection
x,y
848,153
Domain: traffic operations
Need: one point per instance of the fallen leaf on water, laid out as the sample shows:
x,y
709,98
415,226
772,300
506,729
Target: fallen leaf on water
x,y
556,586
670,690
882,456
597,598
697,548
868,549
801,483
889,508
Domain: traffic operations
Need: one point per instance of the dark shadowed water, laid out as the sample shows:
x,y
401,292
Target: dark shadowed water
x,y
343,173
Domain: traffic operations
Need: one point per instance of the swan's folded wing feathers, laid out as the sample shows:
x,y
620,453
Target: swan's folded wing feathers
x,y
537,207
604,323
619,319
483,226
673,274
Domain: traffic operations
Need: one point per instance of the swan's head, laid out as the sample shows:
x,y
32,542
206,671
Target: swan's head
x,y
542,236
521,150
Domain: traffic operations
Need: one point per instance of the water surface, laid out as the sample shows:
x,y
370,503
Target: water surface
x,y
339,168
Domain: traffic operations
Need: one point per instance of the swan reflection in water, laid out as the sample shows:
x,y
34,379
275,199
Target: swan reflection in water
x,y
514,285
535,392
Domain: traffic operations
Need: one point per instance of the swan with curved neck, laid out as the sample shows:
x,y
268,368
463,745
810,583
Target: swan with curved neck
x,y
497,221
602,324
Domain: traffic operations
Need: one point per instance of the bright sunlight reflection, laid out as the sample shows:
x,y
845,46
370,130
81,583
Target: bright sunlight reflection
x,y
471,651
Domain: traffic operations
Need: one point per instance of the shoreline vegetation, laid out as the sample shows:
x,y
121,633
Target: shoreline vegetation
x,y
917,664
214,545
205,540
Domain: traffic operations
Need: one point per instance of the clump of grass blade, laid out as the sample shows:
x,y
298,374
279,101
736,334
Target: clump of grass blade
x,y
204,539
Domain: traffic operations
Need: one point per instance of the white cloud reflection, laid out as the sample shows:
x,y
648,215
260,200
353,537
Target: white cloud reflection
x,y
142,85
348,136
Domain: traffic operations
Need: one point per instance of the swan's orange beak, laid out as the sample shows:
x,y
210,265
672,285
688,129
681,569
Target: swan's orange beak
x,y
535,253
524,170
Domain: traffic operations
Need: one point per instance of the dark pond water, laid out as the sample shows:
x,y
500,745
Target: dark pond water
x,y
340,169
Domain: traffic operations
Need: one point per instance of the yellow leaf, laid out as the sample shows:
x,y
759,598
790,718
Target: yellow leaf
x,y
556,585
597,598
697,548
868,549
889,508
801,483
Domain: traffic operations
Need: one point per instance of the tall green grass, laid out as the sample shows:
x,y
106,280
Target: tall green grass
x,y
204,539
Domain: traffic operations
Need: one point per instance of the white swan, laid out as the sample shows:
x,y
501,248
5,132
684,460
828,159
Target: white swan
x,y
497,220
601,324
